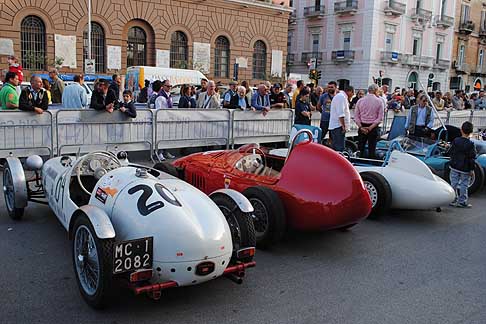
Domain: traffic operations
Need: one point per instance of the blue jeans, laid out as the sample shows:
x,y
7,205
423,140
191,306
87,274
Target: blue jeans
x,y
460,183
337,138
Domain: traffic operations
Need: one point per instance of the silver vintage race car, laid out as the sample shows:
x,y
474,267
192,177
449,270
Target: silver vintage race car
x,y
135,224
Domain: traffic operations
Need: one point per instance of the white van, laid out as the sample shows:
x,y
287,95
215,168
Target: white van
x,y
136,76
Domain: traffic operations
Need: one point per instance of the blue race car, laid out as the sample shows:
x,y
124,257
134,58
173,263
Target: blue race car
x,y
435,153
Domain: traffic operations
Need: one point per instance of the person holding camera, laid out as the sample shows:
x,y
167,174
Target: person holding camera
x,y
104,98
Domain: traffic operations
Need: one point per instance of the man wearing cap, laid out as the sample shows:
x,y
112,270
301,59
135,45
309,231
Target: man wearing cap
x,y
229,94
277,98
103,98
57,86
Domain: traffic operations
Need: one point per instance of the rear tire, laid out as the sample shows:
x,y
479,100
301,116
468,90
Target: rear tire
x,y
168,168
93,263
269,215
241,226
9,194
380,193
478,179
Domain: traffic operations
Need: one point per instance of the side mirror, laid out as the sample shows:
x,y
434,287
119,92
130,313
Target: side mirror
x,y
34,163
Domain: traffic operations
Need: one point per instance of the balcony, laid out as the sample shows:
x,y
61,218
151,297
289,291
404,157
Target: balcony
x,y
291,59
466,27
461,67
445,21
293,18
391,57
314,11
421,14
307,56
346,56
395,8
482,32
415,60
442,64
349,7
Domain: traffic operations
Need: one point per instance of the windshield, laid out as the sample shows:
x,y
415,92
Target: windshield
x,y
415,145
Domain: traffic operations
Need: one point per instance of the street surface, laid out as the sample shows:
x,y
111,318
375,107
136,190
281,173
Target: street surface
x,y
412,267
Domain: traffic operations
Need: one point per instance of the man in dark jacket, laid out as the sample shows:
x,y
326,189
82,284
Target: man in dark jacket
x,y
115,85
34,99
462,164
103,98
240,100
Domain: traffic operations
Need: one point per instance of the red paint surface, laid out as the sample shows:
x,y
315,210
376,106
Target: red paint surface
x,y
319,188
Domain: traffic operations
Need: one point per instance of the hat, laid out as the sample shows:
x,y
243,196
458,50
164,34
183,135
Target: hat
x,y
277,85
233,82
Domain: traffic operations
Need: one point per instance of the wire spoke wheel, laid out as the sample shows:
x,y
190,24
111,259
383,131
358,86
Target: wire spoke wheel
x,y
233,225
8,189
372,191
260,217
86,260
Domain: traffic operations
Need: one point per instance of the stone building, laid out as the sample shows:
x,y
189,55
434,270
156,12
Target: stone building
x,y
204,35
469,66
354,41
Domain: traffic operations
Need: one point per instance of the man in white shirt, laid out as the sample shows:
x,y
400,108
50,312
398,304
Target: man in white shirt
x,y
340,120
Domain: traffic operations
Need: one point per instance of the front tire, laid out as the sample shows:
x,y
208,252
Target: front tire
x,y
93,262
9,194
269,215
241,226
380,193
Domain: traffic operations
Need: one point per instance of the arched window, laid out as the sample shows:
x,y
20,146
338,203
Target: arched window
x,y
136,47
259,60
178,50
97,46
222,57
33,43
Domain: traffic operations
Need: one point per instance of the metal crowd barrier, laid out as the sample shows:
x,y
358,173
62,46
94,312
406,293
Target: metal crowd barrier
x,y
175,128
478,118
253,126
65,131
87,130
24,133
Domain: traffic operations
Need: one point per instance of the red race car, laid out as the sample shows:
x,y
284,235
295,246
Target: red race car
x,y
314,188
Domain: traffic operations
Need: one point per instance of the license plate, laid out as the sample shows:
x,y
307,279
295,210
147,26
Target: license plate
x,y
133,255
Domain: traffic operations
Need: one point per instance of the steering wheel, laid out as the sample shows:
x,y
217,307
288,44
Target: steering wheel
x,y
252,150
92,156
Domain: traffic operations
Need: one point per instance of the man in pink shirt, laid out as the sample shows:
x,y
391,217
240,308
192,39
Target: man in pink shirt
x,y
368,116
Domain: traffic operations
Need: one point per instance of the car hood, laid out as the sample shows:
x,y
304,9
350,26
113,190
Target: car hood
x,y
185,223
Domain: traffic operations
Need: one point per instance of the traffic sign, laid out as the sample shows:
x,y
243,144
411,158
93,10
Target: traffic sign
x,y
89,67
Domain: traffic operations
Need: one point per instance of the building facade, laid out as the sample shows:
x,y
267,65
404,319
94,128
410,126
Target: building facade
x,y
357,41
468,68
210,36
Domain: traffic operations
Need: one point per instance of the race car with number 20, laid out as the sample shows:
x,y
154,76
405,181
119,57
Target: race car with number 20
x,y
135,224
